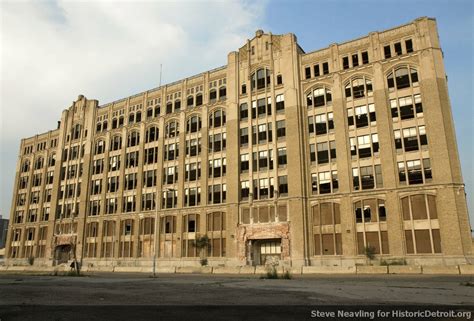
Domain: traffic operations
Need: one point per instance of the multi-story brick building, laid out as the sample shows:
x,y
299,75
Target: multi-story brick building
x,y
305,158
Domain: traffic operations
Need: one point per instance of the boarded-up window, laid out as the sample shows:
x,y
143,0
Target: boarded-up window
x,y
263,214
423,242
316,221
409,242
328,244
418,207
406,208
326,214
245,216
436,241
317,244
337,214
432,207
338,244
384,236
360,243
373,241
282,213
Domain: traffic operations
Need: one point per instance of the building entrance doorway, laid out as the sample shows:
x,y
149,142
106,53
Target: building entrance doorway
x,y
62,253
267,252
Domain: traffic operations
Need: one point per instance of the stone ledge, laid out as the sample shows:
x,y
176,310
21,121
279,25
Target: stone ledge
x,y
376,269
438,269
404,269
165,269
329,269
247,270
226,270
466,269
129,269
194,270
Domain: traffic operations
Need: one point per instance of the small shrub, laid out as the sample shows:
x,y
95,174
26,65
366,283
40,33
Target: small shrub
x,y
286,275
203,261
369,252
31,260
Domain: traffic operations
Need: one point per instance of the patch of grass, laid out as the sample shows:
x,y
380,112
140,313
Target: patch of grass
x,y
468,283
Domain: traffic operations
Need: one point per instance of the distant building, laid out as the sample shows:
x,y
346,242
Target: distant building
x,y
302,158
3,231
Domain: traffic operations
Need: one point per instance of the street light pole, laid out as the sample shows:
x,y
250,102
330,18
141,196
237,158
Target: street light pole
x,y
155,239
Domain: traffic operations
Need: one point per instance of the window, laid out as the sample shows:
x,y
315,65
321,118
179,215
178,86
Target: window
x,y
99,147
244,89
414,172
172,129
282,185
279,80
177,105
190,101
325,68
131,159
212,95
198,99
193,124
114,163
148,202
217,167
217,142
116,143
345,62
260,79
217,194
217,118
402,77
364,178
94,208
222,93
263,188
365,57
387,52
133,139
319,97
244,136
358,88
152,134
244,112
149,178
327,215
282,161
280,103
415,208
409,45
192,197
244,190
217,245
170,199
281,129
170,175
169,107
244,163
192,172
97,166
130,181
151,155
398,48
307,72
129,204
171,151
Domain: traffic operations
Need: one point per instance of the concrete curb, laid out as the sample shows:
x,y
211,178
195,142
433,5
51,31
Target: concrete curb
x,y
329,270
466,269
440,269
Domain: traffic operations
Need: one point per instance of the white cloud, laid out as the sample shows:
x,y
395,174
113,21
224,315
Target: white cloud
x,y
53,51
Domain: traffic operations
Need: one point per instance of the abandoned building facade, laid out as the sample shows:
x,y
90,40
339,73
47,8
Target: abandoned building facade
x,y
279,156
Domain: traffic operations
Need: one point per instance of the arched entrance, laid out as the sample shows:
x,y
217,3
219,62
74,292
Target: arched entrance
x,y
62,253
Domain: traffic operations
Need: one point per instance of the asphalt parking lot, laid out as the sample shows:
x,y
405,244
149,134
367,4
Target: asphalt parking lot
x,y
115,296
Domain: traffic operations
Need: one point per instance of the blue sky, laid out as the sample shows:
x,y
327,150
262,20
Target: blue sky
x,y
53,51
